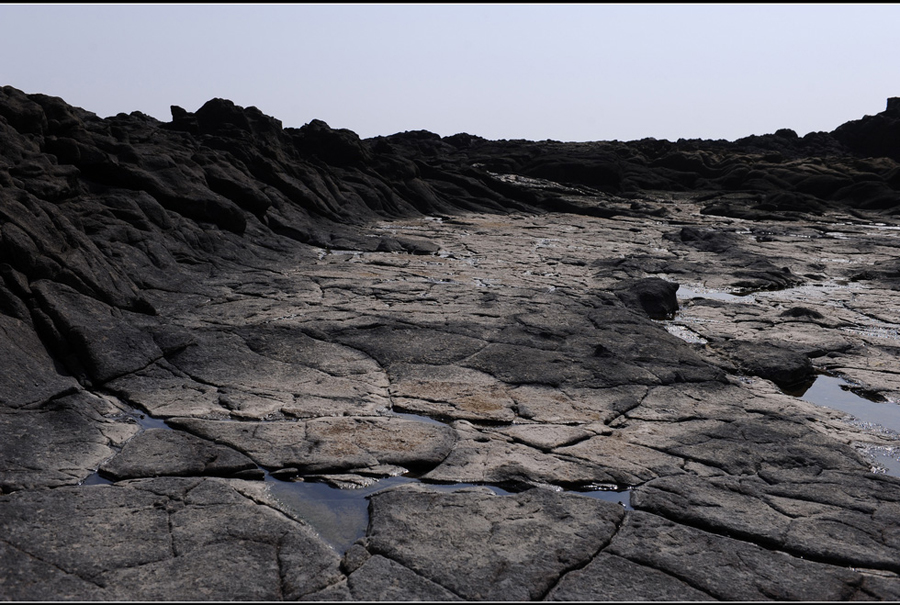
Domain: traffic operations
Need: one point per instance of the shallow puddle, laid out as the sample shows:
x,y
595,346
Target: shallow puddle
x,y
619,496
95,479
820,291
888,458
885,333
839,394
341,516
146,422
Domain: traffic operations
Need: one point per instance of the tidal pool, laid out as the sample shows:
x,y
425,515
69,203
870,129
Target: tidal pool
x,y
341,516
840,394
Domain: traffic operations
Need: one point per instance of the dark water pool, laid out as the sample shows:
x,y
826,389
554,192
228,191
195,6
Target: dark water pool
x,y
884,416
840,394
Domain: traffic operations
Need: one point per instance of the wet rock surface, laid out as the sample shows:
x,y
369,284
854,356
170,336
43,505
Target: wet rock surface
x,y
197,316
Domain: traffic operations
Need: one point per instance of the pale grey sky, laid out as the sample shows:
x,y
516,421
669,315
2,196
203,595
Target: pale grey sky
x,y
575,72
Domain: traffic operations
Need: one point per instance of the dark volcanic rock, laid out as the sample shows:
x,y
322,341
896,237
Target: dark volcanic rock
x,y
159,540
780,508
876,135
725,568
705,240
28,375
781,365
304,306
654,296
320,445
94,335
60,444
613,578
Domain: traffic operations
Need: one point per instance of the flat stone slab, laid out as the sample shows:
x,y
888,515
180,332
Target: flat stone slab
x,y
725,568
832,516
158,539
163,452
382,579
481,546
61,444
612,578
331,444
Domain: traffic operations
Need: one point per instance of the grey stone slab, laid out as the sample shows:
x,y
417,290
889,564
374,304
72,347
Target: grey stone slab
x,y
60,444
840,518
382,579
726,568
157,452
482,546
612,578
329,444
162,539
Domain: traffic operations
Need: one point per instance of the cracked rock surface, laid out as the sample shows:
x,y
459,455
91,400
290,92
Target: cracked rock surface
x,y
248,362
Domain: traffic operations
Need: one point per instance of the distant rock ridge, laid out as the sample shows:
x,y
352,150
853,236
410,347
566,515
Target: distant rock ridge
x,y
105,208
874,136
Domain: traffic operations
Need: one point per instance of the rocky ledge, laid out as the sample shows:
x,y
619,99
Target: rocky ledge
x,y
249,362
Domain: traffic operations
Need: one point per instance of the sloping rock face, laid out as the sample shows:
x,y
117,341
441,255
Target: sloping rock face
x,y
204,321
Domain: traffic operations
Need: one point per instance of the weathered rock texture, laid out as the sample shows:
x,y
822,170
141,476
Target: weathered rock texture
x,y
200,318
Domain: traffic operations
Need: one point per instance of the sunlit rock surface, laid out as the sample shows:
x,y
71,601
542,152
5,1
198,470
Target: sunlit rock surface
x,y
200,317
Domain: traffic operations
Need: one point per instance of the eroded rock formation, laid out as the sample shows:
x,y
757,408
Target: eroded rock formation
x,y
200,317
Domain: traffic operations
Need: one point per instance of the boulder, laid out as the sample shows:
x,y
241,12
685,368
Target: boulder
x,y
653,296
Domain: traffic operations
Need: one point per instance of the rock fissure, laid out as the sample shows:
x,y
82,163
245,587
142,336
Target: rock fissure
x,y
579,565
685,578
778,542
91,580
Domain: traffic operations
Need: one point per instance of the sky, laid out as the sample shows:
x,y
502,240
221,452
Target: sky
x,y
567,72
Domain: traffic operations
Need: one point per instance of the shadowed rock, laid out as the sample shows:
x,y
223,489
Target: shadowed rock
x,y
653,296
782,366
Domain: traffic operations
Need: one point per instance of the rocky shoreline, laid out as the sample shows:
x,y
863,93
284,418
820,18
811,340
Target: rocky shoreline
x,y
200,316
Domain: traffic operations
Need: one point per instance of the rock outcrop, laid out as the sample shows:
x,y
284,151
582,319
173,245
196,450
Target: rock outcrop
x,y
575,364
